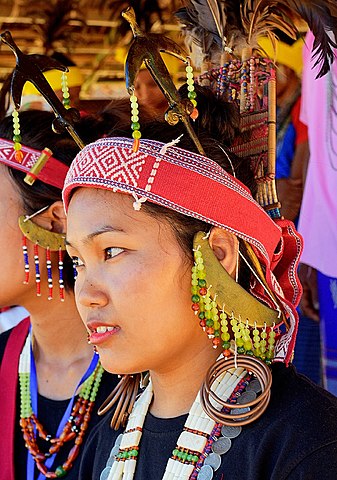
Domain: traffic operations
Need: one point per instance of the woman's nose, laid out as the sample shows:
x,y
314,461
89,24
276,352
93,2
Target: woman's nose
x,y
90,295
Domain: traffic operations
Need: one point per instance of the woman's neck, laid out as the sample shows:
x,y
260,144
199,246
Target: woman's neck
x,y
61,352
176,389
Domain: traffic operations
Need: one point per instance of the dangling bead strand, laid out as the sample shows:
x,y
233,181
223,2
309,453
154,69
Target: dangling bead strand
x,y
135,125
61,283
17,137
49,274
65,90
25,258
37,270
192,94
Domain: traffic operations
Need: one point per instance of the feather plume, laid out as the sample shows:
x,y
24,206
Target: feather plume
x,y
217,25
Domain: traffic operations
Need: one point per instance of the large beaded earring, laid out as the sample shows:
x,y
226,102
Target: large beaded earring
x,y
47,240
248,347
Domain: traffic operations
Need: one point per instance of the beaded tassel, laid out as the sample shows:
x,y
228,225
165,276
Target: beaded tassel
x,y
49,274
25,258
61,283
192,94
135,125
37,270
75,271
17,136
65,91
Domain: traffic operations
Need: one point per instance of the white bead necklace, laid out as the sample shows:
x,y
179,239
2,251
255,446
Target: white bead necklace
x,y
191,441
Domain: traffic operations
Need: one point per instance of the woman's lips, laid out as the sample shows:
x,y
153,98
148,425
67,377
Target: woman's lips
x,y
100,333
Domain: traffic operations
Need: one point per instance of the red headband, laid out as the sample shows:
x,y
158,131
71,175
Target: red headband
x,y
53,173
196,186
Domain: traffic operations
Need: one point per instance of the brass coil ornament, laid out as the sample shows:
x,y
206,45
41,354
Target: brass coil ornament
x,y
257,407
123,396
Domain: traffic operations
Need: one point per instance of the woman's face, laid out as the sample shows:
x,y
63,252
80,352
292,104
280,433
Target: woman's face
x,y
12,289
133,284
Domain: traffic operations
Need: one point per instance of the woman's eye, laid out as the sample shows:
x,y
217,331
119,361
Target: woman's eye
x,y
77,262
112,252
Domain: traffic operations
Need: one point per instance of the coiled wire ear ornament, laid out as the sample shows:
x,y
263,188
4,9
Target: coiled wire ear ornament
x,y
124,395
256,407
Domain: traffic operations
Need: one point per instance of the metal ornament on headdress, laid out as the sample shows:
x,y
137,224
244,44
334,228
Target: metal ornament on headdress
x,y
30,68
146,48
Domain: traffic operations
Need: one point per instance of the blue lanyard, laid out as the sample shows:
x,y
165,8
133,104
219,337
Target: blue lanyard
x,y
34,396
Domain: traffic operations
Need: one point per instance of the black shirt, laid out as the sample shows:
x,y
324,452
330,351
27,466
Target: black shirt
x,y
50,413
295,439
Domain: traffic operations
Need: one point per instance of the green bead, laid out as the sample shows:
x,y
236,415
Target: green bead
x,y
202,282
226,345
66,95
136,134
60,472
189,458
66,101
175,452
190,82
135,126
241,350
183,455
195,298
17,138
263,334
194,290
134,453
192,94
209,323
197,254
195,458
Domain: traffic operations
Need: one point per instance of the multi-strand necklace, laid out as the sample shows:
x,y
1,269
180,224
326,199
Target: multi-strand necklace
x,y
73,425
198,449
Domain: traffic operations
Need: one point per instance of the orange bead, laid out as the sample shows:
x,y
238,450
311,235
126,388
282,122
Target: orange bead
x,y
135,145
18,156
195,114
226,353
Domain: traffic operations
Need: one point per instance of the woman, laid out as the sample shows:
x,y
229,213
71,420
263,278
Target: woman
x,y
133,220
43,434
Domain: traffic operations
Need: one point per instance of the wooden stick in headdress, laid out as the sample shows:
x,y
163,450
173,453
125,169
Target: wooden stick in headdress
x,y
30,68
146,48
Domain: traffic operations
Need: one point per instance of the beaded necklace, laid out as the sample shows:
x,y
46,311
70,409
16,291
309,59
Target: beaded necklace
x,y
75,425
198,449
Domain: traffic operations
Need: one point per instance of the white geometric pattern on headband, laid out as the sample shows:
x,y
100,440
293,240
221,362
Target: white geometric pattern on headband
x,y
7,153
121,165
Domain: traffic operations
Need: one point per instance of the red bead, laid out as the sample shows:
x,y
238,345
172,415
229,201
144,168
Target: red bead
x,y
195,307
202,323
227,353
216,341
203,291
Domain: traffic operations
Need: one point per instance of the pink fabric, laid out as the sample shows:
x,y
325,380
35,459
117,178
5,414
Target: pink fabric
x,y
318,218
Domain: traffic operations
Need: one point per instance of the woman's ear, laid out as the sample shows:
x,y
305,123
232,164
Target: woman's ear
x,y
225,247
53,219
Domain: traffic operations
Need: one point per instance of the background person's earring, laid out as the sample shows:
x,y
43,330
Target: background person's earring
x,y
50,241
